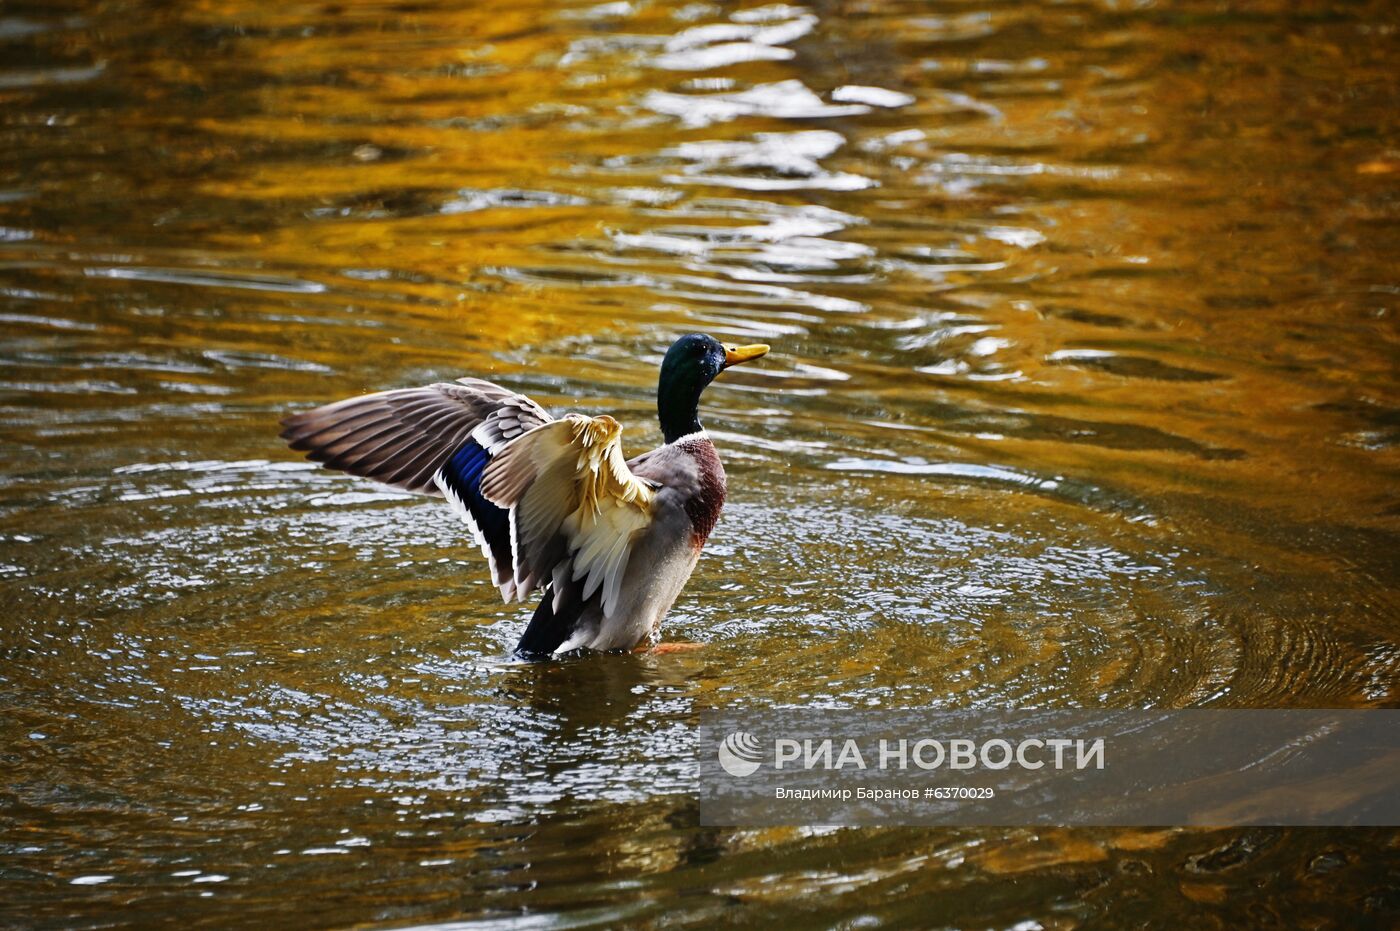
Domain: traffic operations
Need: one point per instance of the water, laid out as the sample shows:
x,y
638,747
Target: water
x,y
1083,393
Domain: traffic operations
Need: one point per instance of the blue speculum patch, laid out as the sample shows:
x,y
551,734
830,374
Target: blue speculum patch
x,y
462,474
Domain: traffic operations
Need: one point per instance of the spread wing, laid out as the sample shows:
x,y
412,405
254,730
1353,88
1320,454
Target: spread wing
x,y
402,438
576,510
436,440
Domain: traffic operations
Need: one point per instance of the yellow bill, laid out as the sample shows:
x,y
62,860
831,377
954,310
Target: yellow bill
x,y
735,355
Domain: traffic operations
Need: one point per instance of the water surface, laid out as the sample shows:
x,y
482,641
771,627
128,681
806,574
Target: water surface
x,y
1084,393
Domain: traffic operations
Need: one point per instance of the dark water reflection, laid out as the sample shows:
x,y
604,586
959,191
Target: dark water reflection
x,y
1084,392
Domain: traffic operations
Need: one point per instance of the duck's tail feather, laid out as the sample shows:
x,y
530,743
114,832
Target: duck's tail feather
x,y
551,626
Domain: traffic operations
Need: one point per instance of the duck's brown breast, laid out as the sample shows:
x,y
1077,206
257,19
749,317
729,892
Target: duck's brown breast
x,y
703,506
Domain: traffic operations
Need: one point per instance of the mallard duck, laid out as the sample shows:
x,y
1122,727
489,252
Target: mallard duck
x,y
552,503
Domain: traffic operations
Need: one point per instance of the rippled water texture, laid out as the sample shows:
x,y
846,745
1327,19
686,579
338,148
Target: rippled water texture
x,y
1084,392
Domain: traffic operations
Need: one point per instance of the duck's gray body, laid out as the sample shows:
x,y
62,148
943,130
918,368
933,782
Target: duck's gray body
x,y
690,492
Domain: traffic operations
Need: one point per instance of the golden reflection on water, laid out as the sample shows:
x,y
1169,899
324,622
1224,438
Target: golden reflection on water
x,y
1083,392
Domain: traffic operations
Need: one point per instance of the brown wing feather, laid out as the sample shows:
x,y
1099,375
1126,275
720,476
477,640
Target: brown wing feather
x,y
403,437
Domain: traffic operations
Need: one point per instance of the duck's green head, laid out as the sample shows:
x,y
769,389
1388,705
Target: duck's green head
x,y
691,363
